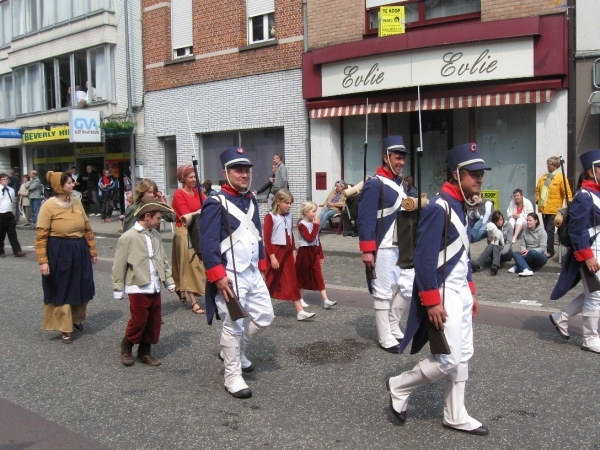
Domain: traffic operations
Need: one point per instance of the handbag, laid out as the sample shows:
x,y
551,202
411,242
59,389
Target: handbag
x,y
438,344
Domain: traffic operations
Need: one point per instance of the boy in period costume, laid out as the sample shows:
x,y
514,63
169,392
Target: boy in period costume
x,y
140,266
378,205
444,293
234,257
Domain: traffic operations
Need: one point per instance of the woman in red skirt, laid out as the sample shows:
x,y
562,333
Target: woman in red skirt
x,y
310,253
280,250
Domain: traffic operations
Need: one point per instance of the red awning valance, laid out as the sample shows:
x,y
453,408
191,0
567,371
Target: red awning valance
x,y
463,101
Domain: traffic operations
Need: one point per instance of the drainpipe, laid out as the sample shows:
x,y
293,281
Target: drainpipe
x,y
571,93
307,118
129,99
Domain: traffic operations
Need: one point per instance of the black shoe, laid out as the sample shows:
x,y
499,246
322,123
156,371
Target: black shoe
x,y
494,269
2,255
347,233
78,326
475,267
401,416
562,335
393,349
242,393
354,234
481,431
20,254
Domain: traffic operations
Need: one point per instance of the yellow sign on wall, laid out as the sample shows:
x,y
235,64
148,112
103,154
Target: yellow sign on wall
x,y
42,135
391,20
493,196
89,151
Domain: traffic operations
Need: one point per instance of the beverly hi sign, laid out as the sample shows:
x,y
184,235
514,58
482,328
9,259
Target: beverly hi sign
x,y
439,65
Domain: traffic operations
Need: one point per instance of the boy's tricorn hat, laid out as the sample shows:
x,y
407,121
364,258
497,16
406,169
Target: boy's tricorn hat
x,y
148,204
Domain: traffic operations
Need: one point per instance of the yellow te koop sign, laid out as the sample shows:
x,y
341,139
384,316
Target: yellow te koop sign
x,y
492,196
391,20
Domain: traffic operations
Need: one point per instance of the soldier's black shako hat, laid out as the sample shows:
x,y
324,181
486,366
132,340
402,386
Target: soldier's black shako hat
x,y
590,158
392,144
235,156
465,156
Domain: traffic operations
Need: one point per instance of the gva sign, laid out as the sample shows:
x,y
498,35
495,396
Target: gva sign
x,y
84,126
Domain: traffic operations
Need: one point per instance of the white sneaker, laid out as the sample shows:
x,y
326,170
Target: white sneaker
x,y
327,304
513,269
303,315
526,273
303,303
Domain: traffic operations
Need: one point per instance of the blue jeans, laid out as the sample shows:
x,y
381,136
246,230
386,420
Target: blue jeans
x,y
532,257
96,201
325,215
34,204
478,232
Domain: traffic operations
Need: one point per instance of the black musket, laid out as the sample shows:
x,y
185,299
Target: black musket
x,y
562,169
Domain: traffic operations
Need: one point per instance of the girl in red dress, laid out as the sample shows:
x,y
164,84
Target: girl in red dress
x,y
280,250
310,253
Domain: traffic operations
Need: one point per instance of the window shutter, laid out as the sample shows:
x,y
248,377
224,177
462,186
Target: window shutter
x,y
181,23
374,3
260,7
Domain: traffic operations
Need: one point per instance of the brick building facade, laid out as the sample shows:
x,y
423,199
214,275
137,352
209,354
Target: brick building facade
x,y
515,109
235,90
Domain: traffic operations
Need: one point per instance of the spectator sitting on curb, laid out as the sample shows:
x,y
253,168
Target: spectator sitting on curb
x,y
533,247
499,254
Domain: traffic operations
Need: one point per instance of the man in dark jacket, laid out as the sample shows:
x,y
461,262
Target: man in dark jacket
x,y
92,186
15,183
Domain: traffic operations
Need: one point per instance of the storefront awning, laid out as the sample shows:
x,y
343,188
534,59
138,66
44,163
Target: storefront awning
x,y
463,101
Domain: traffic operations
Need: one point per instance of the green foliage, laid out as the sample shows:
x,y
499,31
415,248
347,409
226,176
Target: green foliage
x,y
118,125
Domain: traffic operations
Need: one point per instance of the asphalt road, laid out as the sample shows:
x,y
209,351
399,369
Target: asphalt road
x,y
319,384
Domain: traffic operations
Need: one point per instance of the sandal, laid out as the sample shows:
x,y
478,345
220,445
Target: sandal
x,y
66,339
182,299
197,310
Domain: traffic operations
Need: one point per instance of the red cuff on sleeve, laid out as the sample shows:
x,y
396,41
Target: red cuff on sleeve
x,y
472,287
582,255
262,264
430,298
367,246
216,273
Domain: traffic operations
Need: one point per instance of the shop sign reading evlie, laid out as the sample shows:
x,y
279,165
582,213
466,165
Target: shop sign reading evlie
x,y
510,58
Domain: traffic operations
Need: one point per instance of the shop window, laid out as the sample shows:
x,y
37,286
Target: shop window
x,y
425,12
260,146
5,24
6,96
182,37
170,148
354,143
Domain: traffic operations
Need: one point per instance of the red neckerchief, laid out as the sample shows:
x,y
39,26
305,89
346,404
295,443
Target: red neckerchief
x,y
230,190
453,191
588,184
385,172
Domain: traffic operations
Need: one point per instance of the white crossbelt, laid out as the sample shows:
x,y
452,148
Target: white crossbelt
x,y
245,223
593,231
401,196
460,242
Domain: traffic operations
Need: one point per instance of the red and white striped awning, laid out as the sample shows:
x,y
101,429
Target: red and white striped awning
x,y
463,101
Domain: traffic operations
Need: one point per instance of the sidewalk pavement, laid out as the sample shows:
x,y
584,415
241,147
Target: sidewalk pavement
x,y
333,244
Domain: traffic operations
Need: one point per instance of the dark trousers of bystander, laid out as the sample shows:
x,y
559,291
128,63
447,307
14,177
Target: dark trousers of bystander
x,y
107,205
549,227
144,325
8,226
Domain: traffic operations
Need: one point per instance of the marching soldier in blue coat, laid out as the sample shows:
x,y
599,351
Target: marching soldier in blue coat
x,y
444,293
584,221
378,205
233,254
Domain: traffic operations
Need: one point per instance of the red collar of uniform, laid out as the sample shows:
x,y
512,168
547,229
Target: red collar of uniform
x,y
230,190
453,191
385,172
588,184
